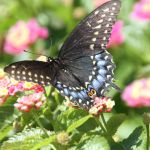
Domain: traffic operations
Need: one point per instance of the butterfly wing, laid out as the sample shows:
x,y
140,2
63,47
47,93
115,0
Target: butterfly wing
x,y
39,72
85,57
92,33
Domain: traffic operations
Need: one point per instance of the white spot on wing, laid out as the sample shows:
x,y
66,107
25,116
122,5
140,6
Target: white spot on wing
x,y
107,25
12,72
41,76
90,78
80,101
110,19
113,8
94,62
98,27
93,72
96,12
91,57
100,21
96,33
29,73
104,38
35,75
94,39
88,24
103,15
18,72
23,72
92,46
105,10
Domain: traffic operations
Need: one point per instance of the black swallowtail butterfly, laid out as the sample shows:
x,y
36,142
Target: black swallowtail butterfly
x,y
84,68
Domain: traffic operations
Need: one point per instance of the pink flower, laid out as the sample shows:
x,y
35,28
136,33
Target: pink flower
x,y
103,104
116,37
22,35
99,2
137,94
141,10
33,101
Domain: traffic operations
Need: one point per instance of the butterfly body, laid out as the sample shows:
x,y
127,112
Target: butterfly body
x,y
84,68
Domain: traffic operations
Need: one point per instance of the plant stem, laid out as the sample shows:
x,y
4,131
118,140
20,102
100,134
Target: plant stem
x,y
100,124
104,121
148,138
36,118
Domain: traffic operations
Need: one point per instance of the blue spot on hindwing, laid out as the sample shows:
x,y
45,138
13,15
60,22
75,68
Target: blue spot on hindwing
x,y
100,79
59,86
66,91
74,94
98,57
101,63
96,84
102,71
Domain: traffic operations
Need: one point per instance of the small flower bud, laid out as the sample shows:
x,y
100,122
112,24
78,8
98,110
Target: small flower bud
x,y
63,138
146,118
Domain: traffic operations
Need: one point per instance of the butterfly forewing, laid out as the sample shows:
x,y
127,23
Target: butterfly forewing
x,y
32,71
92,34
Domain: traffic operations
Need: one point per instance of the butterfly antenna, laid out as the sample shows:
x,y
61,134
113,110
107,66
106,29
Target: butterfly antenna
x,y
35,53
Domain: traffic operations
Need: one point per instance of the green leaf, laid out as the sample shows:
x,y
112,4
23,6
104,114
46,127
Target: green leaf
x,y
78,123
45,142
96,142
133,140
4,131
27,138
114,122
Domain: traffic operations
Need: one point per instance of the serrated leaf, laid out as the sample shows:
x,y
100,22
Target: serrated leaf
x,y
95,142
114,122
133,140
27,138
78,123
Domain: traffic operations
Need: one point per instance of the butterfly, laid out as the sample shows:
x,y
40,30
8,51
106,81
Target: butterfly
x,y
84,68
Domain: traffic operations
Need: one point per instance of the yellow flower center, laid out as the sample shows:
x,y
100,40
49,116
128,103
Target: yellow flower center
x,y
3,92
146,7
136,90
28,85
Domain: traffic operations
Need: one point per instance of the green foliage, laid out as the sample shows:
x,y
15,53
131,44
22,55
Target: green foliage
x,y
133,140
24,140
94,142
114,122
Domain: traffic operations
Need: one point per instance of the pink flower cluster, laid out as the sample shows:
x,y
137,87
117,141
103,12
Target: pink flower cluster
x,y
26,103
22,35
104,104
137,94
141,10
10,87
116,37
